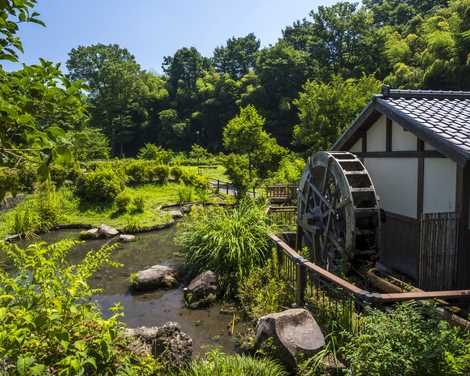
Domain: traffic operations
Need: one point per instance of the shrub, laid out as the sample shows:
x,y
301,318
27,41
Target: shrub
x,y
123,201
48,206
139,204
58,174
27,175
231,242
185,195
155,153
263,291
409,340
101,186
9,181
49,324
195,180
160,173
203,195
176,173
138,172
217,363
25,221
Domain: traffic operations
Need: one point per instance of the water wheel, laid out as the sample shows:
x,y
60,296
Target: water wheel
x,y
338,212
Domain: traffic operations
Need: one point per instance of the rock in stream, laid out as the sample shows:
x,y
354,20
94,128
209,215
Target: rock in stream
x,y
158,276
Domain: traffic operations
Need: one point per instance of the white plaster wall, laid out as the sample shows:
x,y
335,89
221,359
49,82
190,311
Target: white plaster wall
x,y
403,140
357,147
396,182
376,135
440,179
428,146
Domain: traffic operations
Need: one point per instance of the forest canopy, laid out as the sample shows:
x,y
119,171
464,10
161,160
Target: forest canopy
x,y
307,87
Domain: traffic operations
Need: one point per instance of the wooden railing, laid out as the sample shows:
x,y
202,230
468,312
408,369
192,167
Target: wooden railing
x,y
334,298
283,215
282,192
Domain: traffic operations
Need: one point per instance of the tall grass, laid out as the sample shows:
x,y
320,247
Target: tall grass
x,y
217,363
231,242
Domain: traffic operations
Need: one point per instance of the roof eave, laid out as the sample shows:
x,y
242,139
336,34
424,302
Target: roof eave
x,y
379,104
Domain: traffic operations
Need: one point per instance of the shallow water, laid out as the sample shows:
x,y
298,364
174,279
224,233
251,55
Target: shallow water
x,y
206,327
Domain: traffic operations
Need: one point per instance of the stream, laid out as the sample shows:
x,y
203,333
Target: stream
x,y
207,327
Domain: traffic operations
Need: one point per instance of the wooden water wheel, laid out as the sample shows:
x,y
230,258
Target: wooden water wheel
x,y
338,212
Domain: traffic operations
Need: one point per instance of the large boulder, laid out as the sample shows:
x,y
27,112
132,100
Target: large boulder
x,y
166,342
106,231
158,276
103,231
202,290
293,332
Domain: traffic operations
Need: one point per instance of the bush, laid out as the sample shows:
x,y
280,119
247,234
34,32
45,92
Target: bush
x,y
138,172
217,363
264,291
408,340
49,324
25,221
123,201
160,174
155,153
195,180
48,206
101,186
231,242
9,181
139,204
176,172
27,175
185,195
58,174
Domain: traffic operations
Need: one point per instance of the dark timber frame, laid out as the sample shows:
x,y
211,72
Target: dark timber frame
x,y
401,234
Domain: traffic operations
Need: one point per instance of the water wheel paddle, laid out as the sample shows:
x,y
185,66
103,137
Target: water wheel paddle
x,y
338,214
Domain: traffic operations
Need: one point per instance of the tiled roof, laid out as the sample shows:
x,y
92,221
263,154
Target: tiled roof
x,y
439,117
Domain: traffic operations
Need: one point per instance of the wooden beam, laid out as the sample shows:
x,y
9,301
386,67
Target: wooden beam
x,y
420,192
462,210
401,154
388,137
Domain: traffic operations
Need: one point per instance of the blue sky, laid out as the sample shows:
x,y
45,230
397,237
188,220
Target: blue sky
x,y
151,29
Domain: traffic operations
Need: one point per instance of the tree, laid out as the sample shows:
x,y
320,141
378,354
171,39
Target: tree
x,y
238,56
183,69
245,135
339,39
198,152
12,13
327,109
118,91
400,12
38,104
89,144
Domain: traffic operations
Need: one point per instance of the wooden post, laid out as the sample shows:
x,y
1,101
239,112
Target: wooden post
x,y
280,259
301,282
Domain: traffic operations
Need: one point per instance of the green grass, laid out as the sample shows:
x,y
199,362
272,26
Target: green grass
x,y
73,211
217,363
211,173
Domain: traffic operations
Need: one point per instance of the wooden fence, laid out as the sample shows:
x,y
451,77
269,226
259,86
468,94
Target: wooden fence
x,y
438,251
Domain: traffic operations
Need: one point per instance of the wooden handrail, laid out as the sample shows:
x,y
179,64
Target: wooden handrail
x,y
364,294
